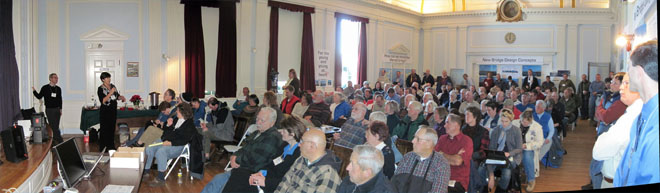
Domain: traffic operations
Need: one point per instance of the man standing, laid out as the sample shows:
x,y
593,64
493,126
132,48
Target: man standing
x,y
530,82
457,149
422,170
413,77
428,78
565,83
501,83
488,82
640,160
52,95
583,93
547,84
467,82
596,89
315,170
364,172
398,79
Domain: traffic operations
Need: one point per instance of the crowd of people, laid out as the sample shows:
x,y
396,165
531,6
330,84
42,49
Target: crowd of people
x,y
454,129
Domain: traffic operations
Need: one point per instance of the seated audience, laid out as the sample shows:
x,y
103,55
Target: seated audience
x,y
491,119
532,140
392,96
317,168
290,101
545,120
291,131
199,111
339,108
175,136
457,149
318,112
508,104
467,102
392,112
525,103
219,125
349,90
239,104
250,111
364,172
557,111
379,103
258,150
508,139
429,109
410,123
376,136
270,100
480,140
155,127
422,170
453,103
352,131
571,103
302,106
440,115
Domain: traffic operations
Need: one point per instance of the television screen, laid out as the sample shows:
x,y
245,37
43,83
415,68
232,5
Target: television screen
x,y
70,163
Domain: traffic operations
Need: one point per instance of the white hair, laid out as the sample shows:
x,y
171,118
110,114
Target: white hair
x,y
361,107
415,105
545,105
378,116
369,157
429,133
272,114
427,94
432,104
342,98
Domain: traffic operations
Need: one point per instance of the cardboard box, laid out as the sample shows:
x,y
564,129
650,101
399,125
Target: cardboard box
x,y
127,157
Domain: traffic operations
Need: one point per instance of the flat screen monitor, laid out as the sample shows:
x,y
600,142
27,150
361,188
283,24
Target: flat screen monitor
x,y
70,162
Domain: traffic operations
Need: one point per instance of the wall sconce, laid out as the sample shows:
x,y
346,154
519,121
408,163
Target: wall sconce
x,y
625,40
166,57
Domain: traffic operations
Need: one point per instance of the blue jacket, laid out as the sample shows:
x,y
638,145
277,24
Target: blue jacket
x,y
343,109
199,113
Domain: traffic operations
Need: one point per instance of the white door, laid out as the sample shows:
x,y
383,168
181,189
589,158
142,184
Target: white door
x,y
98,63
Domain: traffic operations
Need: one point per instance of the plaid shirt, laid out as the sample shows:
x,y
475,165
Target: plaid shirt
x,y
320,176
438,173
320,113
352,134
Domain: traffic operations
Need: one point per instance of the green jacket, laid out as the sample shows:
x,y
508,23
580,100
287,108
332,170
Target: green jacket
x,y
406,128
572,104
259,149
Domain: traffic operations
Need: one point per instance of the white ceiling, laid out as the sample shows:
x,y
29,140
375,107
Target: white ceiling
x,y
441,6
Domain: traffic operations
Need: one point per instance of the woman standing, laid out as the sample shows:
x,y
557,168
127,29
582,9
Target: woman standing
x,y
108,95
294,82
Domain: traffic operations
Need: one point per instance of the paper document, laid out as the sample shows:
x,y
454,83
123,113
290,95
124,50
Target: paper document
x,y
156,144
111,188
495,162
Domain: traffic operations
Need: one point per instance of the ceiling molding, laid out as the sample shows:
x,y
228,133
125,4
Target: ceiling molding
x,y
528,11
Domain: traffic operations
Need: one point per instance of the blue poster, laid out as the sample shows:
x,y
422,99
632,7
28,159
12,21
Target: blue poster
x,y
484,70
536,70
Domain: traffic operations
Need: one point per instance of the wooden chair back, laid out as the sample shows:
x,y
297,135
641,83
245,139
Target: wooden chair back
x,y
404,146
344,155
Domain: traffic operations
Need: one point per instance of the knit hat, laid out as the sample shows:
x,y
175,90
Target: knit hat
x,y
186,97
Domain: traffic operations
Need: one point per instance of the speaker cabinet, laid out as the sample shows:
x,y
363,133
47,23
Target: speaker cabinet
x,y
14,144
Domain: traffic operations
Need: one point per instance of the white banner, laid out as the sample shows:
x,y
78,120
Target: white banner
x,y
510,70
508,60
323,71
640,10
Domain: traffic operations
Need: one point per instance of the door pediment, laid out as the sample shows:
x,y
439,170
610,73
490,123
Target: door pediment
x,y
104,33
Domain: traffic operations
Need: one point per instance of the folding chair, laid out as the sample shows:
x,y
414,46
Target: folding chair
x,y
185,153
234,148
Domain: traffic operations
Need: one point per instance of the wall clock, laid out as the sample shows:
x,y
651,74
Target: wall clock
x,y
510,37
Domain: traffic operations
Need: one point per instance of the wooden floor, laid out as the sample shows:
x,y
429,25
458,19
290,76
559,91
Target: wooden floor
x,y
573,173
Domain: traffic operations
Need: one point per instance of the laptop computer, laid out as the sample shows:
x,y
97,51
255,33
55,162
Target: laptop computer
x,y
495,157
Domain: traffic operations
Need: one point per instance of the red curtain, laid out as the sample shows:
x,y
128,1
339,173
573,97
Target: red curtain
x,y
307,74
225,81
362,54
9,101
272,45
194,50
307,55
338,65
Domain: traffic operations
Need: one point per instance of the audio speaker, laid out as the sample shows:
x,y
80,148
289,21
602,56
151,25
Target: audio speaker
x,y
14,144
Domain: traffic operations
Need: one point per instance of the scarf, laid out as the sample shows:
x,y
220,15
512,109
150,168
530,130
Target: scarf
x,y
501,141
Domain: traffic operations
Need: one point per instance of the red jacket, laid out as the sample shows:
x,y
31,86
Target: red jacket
x,y
287,106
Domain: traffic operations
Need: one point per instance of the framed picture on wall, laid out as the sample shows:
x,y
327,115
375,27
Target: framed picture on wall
x,y
132,69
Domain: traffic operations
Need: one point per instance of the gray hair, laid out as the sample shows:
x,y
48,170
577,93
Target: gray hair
x,y
416,105
429,133
360,106
369,157
545,105
427,94
272,114
378,116
393,105
432,104
342,98
411,96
